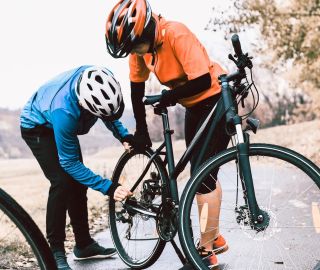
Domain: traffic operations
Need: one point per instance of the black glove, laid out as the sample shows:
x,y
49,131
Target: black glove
x,y
167,98
141,140
128,138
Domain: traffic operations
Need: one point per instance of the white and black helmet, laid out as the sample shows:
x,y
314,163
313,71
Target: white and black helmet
x,y
100,93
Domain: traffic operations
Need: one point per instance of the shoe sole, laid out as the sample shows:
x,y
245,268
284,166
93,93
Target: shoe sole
x,y
211,266
75,258
221,249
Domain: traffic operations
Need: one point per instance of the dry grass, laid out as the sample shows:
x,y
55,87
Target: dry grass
x,y
303,138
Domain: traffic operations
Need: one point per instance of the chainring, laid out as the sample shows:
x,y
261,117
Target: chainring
x,y
167,221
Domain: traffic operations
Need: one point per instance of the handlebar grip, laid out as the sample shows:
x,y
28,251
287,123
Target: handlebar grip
x,y
236,45
150,100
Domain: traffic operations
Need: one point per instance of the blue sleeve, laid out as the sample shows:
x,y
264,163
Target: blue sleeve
x,y
65,132
117,128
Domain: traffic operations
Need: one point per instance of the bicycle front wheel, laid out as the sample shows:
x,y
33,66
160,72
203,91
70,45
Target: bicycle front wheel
x,y
287,189
134,233
22,245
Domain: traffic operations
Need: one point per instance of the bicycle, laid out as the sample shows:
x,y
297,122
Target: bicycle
x,y
258,215
22,244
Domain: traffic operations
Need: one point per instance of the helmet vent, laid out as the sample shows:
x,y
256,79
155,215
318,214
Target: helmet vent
x,y
99,79
111,107
90,72
103,111
89,86
96,101
105,72
78,85
105,95
90,106
94,106
112,88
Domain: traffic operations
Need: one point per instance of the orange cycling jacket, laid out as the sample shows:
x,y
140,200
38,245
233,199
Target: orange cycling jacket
x,y
178,58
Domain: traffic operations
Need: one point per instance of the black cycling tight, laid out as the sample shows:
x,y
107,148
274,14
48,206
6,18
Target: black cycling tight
x,y
194,117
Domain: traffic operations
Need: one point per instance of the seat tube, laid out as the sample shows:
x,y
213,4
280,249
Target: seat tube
x,y
169,155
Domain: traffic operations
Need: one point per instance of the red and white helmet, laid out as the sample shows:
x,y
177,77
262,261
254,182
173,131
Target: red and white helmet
x,y
125,25
100,93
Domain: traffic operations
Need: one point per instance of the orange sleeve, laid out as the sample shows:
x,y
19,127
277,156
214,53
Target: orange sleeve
x,y
138,69
191,55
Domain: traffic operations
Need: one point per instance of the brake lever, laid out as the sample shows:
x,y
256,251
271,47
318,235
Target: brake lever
x,y
243,61
242,103
230,56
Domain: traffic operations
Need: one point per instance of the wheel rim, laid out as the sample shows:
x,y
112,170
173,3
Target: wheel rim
x,y
292,201
134,234
22,245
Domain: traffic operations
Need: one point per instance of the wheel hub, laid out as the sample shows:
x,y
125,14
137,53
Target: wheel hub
x,y
262,230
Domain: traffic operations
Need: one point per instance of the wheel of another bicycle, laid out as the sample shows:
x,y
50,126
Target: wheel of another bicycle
x,y
22,245
134,234
287,188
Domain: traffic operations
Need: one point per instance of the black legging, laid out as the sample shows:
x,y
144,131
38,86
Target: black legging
x,y
65,193
194,117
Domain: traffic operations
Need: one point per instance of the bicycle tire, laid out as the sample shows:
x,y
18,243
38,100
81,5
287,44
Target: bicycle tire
x,y
123,251
29,230
291,253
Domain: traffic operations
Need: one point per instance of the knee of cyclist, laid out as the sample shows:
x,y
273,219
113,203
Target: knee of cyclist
x,y
61,185
207,186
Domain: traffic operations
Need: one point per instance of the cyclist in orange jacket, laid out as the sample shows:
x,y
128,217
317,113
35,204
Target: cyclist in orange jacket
x,y
175,55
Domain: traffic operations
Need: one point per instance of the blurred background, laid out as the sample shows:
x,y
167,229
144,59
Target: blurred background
x,y
40,39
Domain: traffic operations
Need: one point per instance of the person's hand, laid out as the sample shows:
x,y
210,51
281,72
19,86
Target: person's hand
x,y
167,99
128,142
127,146
141,140
121,193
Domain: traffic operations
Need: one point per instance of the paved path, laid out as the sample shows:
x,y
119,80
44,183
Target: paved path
x,y
168,260
240,248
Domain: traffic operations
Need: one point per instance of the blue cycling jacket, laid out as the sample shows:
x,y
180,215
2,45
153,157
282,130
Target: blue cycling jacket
x,y
55,105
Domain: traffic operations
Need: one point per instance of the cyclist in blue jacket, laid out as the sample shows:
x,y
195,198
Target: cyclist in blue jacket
x,y
67,106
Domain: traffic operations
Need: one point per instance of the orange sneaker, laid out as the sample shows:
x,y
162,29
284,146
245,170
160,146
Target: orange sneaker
x,y
219,245
209,257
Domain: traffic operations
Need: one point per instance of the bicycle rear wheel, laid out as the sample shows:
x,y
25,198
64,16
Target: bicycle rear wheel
x,y
22,245
135,234
286,187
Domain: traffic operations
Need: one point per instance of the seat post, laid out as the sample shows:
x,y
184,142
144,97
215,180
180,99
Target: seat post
x,y
167,132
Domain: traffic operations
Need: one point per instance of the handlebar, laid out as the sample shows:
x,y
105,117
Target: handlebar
x,y
243,60
236,45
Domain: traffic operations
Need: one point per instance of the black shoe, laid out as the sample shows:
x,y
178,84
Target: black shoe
x,y
93,251
61,260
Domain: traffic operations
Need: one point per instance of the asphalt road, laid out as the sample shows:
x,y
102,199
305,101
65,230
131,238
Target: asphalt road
x,y
168,259
306,204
